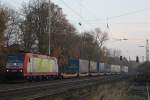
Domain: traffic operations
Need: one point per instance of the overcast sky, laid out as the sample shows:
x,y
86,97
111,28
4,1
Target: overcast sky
x,y
126,19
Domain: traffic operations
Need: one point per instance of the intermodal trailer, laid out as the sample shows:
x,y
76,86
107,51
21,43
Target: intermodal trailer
x,y
83,67
93,68
71,69
107,69
124,69
115,69
32,66
101,68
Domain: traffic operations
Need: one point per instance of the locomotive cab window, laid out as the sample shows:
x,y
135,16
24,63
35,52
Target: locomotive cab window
x,y
15,60
29,60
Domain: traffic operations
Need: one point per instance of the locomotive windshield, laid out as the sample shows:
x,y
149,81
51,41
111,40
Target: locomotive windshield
x,y
15,60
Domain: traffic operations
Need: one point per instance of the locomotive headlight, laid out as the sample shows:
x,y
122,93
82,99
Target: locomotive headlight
x,y
7,70
20,70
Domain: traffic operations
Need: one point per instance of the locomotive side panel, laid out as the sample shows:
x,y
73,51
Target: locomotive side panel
x,y
40,65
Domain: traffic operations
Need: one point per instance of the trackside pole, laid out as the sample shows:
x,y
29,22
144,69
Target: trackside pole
x,y
148,98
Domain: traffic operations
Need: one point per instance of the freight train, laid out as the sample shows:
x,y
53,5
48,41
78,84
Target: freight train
x,y
38,67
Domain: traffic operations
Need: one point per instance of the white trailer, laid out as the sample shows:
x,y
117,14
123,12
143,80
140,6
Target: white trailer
x,y
101,68
124,69
115,69
83,67
93,68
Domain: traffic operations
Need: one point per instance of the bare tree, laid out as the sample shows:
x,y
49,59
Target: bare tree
x,y
92,43
12,32
101,36
35,27
3,26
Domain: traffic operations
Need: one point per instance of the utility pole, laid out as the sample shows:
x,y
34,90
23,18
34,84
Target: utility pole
x,y
147,50
49,27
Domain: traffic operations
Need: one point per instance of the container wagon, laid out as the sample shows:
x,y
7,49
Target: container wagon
x,y
31,66
75,68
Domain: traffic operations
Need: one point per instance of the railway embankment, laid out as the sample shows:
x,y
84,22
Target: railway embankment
x,y
42,90
108,91
119,90
88,88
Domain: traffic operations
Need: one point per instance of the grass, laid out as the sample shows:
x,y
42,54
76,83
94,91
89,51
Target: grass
x,y
117,91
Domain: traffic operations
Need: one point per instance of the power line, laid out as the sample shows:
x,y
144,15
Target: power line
x,y
76,13
71,9
124,14
92,13
97,36
109,18
129,13
119,22
121,15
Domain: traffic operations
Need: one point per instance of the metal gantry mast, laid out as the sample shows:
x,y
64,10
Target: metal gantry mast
x,y
147,50
49,27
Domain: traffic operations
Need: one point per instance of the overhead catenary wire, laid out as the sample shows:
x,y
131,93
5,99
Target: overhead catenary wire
x,y
76,13
116,16
122,15
97,37
89,22
92,14
80,16
109,18
129,13
71,9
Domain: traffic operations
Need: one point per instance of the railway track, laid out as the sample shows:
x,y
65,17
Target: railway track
x,y
140,90
33,91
